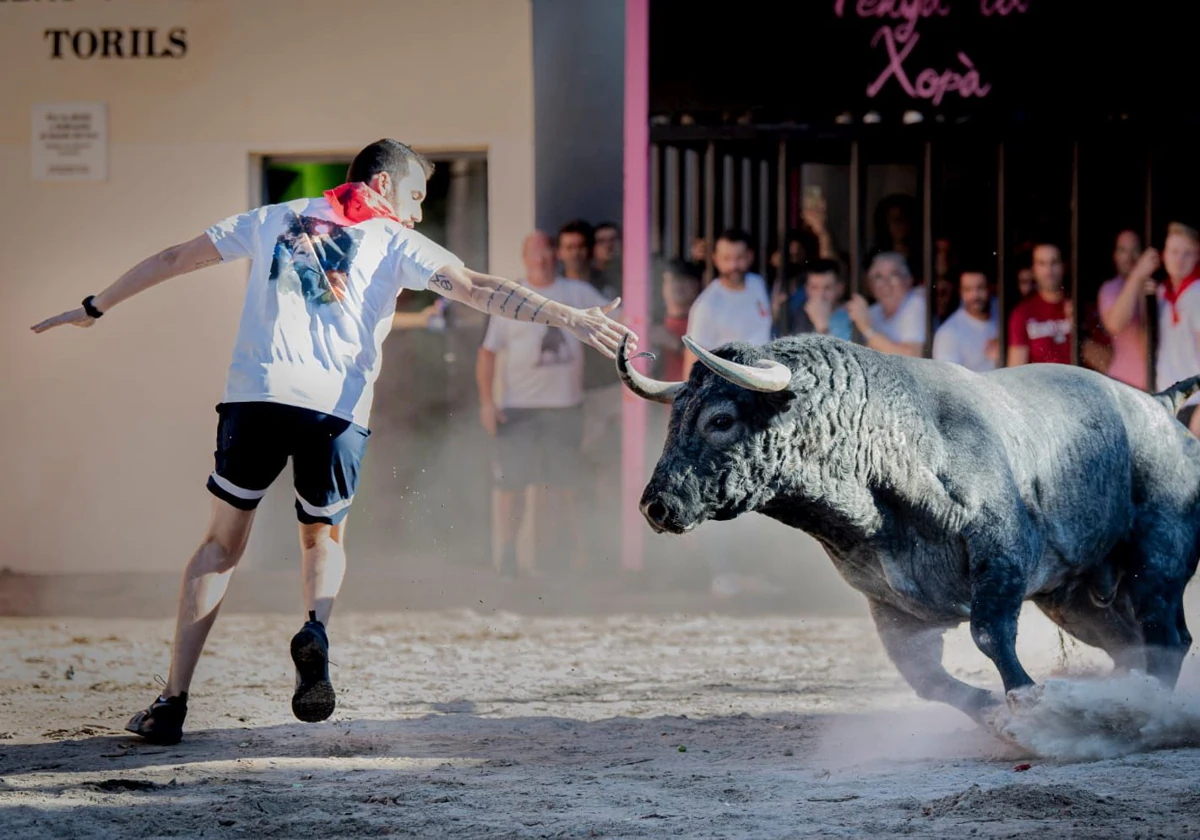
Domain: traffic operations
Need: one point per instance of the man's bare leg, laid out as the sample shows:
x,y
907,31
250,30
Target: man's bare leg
x,y
511,504
323,558
205,581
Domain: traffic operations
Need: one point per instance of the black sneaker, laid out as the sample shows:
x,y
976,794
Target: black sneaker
x,y
162,723
313,699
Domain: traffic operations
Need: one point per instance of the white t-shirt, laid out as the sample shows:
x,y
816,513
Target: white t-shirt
x,y
721,315
319,303
907,326
1178,356
963,340
543,367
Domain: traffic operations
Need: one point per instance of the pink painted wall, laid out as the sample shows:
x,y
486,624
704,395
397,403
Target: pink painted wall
x,y
636,266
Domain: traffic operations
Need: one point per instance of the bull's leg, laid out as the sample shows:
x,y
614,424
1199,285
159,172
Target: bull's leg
x,y
1159,609
915,648
997,593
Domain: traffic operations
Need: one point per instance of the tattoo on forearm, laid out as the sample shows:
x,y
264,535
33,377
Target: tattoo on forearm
x,y
515,289
207,263
443,282
495,291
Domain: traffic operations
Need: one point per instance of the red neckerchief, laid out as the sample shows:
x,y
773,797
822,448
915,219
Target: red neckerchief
x,y
1171,295
358,202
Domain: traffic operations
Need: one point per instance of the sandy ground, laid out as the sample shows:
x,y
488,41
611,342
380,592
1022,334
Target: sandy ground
x,y
483,724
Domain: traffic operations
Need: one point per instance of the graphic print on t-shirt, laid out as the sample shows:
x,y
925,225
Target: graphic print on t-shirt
x,y
313,256
555,349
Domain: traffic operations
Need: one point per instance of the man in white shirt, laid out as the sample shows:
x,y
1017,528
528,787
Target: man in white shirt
x,y
735,307
1179,312
538,425
971,336
320,300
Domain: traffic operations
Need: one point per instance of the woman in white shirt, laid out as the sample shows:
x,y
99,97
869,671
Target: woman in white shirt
x,y
896,322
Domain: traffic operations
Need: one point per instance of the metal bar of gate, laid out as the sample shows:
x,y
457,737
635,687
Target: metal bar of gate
x,y
728,191
710,206
1151,300
927,233
672,196
781,226
695,226
764,204
856,208
1001,250
747,215
656,214
1076,303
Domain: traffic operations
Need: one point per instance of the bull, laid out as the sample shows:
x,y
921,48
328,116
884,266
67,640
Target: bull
x,y
945,495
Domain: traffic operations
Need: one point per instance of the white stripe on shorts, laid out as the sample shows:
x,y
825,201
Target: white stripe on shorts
x,y
233,490
328,510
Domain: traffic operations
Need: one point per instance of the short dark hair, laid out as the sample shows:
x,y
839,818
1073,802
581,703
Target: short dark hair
x,y
736,235
581,227
824,266
683,270
606,225
974,269
387,155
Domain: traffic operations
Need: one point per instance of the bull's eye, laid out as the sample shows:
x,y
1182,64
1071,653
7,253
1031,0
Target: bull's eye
x,y
721,423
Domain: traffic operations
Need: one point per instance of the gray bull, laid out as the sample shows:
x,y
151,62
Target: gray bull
x,y
946,496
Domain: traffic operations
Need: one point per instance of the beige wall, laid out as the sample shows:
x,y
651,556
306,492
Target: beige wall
x,y
107,434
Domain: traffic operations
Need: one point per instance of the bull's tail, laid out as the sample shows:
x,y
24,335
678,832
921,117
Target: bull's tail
x,y
1174,397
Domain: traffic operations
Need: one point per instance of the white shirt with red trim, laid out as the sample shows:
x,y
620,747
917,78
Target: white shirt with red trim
x,y
1178,356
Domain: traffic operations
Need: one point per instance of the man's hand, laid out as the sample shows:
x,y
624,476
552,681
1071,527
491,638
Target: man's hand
x,y
819,312
860,312
1146,264
74,317
593,326
491,415
991,350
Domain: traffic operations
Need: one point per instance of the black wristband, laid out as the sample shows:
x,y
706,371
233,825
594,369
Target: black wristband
x,y
90,308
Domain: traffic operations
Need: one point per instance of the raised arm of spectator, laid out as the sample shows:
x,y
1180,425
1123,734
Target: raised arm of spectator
x,y
1116,314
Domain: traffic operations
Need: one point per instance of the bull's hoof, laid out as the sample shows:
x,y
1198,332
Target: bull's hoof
x,y
1024,698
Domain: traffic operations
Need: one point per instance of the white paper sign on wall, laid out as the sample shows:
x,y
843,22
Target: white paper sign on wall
x,y
70,141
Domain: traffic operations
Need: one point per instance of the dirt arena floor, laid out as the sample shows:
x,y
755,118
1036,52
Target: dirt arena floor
x,y
486,722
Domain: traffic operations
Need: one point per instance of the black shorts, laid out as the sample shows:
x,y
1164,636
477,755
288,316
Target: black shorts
x,y
538,446
254,442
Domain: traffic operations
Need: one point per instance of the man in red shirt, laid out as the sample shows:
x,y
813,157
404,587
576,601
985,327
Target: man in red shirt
x,y
1040,327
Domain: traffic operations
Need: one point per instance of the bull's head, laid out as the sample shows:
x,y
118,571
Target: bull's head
x,y
722,447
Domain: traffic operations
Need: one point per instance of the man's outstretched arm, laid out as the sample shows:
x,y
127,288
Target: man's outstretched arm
x,y
508,299
171,262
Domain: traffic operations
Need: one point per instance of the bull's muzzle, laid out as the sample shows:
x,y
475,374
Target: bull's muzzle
x,y
663,513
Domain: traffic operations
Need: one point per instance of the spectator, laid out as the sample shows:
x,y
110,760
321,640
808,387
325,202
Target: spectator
x,y
539,424
734,307
606,257
819,309
1122,303
1179,310
1039,329
681,287
1025,282
971,335
699,256
896,322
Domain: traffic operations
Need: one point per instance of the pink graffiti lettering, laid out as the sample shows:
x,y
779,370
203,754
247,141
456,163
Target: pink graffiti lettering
x,y
1004,8
930,84
909,11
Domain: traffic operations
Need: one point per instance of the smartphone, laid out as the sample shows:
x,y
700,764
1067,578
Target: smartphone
x,y
814,197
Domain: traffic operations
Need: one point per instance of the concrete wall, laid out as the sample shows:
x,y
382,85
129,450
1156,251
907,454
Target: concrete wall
x,y
107,434
579,78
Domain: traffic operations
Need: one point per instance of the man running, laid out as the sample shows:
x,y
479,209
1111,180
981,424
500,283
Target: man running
x,y
321,298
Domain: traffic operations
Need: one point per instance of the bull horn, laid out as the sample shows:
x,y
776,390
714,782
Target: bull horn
x,y
644,386
765,375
